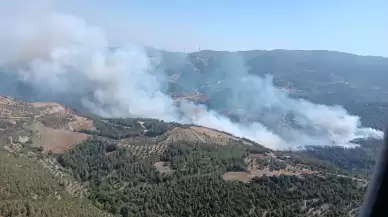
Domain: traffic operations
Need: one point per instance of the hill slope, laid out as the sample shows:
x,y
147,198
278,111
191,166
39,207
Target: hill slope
x,y
27,189
147,167
30,183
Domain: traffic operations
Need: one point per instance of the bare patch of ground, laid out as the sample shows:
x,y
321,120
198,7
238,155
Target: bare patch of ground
x,y
51,107
59,140
66,121
71,121
216,136
255,169
289,171
41,124
51,114
210,132
80,123
6,101
15,109
163,167
182,134
247,176
236,176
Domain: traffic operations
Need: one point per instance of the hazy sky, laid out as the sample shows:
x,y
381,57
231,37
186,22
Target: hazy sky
x,y
356,26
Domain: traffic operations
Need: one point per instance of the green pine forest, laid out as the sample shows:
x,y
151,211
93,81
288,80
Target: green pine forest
x,y
119,180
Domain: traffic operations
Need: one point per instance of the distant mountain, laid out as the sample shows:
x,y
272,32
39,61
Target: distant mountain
x,y
326,77
224,82
319,75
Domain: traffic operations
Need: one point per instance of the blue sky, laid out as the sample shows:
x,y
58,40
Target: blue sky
x,y
356,26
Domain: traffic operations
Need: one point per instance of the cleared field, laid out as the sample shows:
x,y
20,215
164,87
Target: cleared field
x,y
259,165
217,136
59,140
163,167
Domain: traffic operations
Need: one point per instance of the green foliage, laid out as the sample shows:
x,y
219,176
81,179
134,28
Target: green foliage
x,y
20,177
352,159
198,158
27,189
113,131
54,120
129,127
127,185
209,195
48,208
271,164
153,127
97,161
257,149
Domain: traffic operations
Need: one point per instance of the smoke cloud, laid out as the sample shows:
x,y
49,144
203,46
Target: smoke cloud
x,y
47,55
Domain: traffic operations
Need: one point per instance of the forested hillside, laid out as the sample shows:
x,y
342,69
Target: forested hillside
x,y
148,167
187,180
28,189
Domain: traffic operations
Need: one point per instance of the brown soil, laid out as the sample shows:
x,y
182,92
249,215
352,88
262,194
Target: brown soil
x,y
162,168
246,177
6,100
179,134
236,176
214,134
254,170
80,123
63,118
288,171
50,107
59,140
210,132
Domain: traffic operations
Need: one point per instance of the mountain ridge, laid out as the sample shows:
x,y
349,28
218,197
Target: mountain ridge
x,y
283,50
152,49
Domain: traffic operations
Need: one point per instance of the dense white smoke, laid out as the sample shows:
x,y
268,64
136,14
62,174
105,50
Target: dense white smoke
x,y
66,59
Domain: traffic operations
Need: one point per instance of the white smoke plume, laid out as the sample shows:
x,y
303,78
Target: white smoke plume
x,y
66,59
